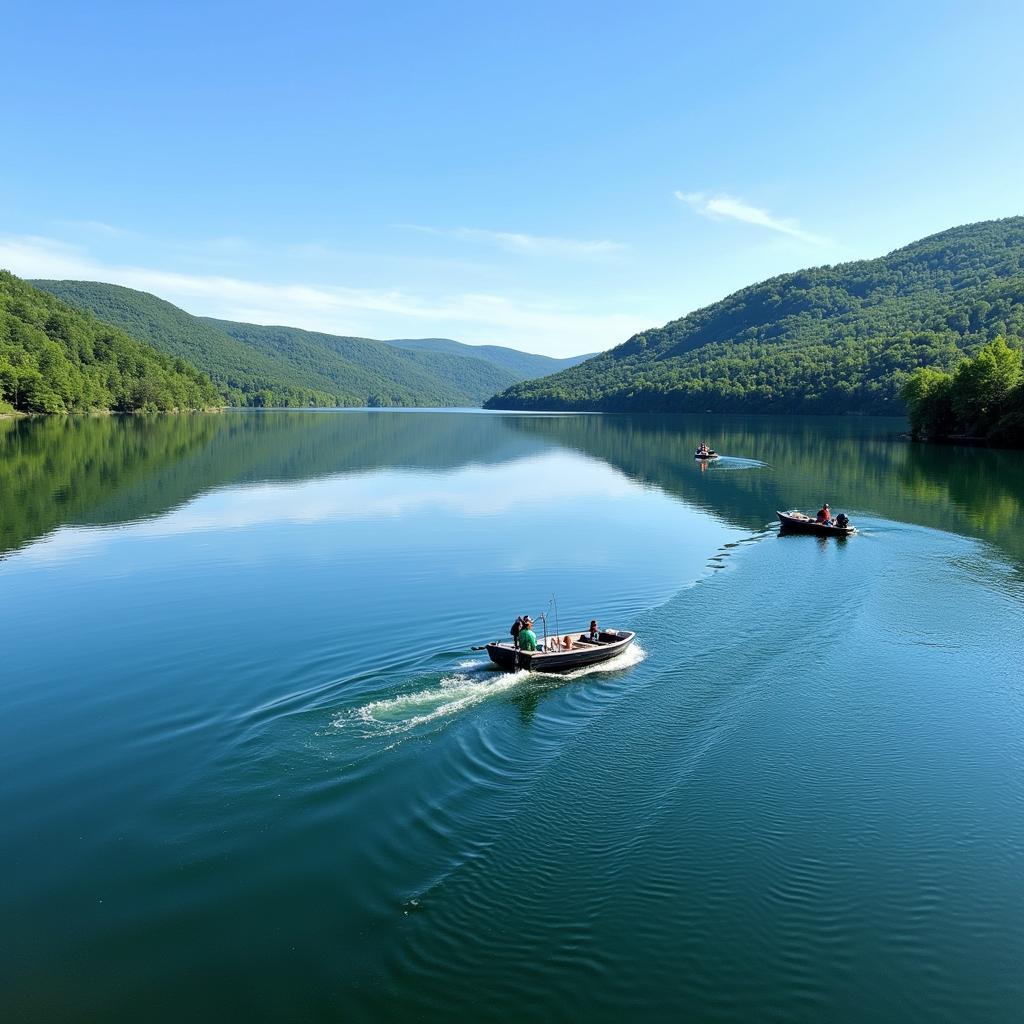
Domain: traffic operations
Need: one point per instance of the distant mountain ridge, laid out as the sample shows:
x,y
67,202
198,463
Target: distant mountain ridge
x,y
378,373
286,366
525,365
830,339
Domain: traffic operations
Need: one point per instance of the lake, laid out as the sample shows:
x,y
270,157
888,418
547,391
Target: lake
x,y
253,769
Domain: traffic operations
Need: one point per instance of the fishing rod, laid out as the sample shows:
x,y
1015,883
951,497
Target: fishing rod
x,y
543,616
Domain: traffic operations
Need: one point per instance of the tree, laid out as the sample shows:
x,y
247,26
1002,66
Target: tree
x,y
982,385
929,397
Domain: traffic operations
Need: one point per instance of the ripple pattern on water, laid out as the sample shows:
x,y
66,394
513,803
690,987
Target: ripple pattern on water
x,y
751,797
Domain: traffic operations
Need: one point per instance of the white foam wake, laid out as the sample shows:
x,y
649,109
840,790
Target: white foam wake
x,y
462,690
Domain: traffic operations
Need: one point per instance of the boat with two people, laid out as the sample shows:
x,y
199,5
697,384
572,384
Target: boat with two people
x,y
557,653
822,525
704,453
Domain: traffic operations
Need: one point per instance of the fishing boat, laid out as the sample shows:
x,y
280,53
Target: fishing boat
x,y
707,456
610,642
797,522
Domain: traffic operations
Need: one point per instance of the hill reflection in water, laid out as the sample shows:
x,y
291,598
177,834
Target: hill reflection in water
x,y
108,470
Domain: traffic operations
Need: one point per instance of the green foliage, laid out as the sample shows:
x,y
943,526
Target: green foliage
x,y
982,398
56,359
825,340
242,376
283,366
929,397
380,374
982,386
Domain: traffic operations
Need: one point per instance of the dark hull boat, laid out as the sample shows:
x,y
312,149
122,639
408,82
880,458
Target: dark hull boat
x,y
583,652
797,522
711,455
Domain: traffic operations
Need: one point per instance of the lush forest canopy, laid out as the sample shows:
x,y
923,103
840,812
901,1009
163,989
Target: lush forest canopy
x,y
982,398
827,340
285,366
378,373
55,359
242,375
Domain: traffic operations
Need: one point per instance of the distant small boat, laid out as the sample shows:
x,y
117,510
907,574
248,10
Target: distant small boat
x,y
583,652
797,522
705,456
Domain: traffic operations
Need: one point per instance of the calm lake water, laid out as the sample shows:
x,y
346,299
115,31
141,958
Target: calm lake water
x,y
252,769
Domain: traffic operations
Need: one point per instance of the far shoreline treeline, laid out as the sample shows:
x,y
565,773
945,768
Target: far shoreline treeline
x,y
933,329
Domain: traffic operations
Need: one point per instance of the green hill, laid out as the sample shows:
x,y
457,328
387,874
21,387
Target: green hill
x,y
54,358
243,376
831,339
379,373
285,366
523,365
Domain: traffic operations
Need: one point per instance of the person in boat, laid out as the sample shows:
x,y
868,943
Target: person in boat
x,y
567,642
703,449
527,637
595,633
517,628
824,515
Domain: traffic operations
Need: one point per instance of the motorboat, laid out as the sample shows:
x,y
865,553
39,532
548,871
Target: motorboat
x,y
584,651
797,522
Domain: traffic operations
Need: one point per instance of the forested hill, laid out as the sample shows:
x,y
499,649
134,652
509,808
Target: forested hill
x,y
379,373
284,366
242,376
831,339
524,365
54,359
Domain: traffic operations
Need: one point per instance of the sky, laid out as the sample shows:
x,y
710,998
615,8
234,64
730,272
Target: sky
x,y
549,176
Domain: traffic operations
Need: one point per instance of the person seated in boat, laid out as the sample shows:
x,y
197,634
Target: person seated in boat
x,y
595,633
824,515
703,449
567,642
527,637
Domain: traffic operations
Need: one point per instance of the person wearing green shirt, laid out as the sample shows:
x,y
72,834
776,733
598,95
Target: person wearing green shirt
x,y
527,637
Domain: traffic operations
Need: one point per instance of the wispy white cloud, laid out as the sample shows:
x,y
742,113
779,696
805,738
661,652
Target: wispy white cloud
x,y
731,208
517,241
96,227
370,312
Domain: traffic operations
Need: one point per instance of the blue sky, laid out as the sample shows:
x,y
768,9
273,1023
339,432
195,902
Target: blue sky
x,y
549,176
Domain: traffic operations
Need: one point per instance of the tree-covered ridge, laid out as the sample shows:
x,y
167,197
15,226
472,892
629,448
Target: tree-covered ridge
x,y
54,358
285,366
380,373
242,375
839,338
982,398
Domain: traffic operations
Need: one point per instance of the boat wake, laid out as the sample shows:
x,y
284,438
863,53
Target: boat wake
x,y
735,462
472,683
